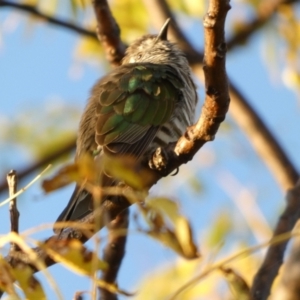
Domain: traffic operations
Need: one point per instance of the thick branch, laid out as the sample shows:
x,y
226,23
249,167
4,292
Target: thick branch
x,y
194,138
216,87
114,252
265,276
289,284
245,116
52,20
108,32
213,113
278,162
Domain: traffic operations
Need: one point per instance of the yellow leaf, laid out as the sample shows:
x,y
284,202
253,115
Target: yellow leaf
x,y
73,255
219,229
6,278
165,206
63,177
135,25
28,283
180,238
127,169
184,235
85,168
239,286
89,48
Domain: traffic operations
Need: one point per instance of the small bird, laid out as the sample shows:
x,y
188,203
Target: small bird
x,y
145,103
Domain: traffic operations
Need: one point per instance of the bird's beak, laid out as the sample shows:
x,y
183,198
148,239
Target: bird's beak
x,y
162,36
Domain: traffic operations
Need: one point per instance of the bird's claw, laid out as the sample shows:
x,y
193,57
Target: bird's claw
x,y
159,160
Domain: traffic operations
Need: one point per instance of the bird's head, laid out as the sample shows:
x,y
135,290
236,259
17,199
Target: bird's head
x,y
155,49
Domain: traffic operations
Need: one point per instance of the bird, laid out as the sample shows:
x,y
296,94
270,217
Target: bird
x,y
143,104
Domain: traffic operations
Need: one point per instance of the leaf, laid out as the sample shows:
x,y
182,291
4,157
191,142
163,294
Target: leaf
x,y
88,48
23,274
63,177
189,7
179,236
220,229
85,168
239,286
76,257
6,278
127,169
73,255
138,22
28,283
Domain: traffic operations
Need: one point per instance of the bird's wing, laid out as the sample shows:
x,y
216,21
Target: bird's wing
x,y
135,101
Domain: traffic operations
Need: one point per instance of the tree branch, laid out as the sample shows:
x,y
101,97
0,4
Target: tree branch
x,y
259,135
13,210
114,252
289,283
281,167
200,133
108,32
264,14
213,113
265,276
52,20
42,162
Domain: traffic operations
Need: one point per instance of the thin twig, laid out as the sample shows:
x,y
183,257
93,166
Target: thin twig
x,y
22,190
224,262
57,153
264,13
265,276
27,8
13,209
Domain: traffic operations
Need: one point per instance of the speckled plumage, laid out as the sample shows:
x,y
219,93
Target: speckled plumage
x,y
145,103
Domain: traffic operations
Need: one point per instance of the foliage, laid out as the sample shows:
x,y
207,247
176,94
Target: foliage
x,y
163,217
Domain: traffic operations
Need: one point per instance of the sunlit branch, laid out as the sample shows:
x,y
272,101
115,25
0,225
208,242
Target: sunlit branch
x,y
282,168
213,113
261,138
108,32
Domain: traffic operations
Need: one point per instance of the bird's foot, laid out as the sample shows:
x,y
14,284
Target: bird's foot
x,y
159,160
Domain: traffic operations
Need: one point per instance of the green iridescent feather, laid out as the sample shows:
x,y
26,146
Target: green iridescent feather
x,y
136,98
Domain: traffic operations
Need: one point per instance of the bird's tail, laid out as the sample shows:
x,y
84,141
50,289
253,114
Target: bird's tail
x,y
79,206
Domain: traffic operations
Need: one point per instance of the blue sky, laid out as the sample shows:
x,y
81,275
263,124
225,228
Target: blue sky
x,y
35,68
